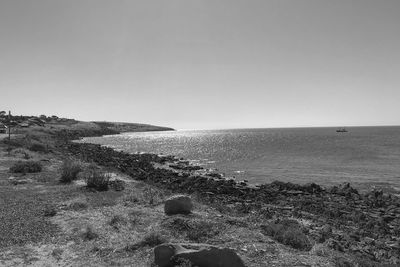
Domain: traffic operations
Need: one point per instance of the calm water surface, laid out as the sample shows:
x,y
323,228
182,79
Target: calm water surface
x,y
364,156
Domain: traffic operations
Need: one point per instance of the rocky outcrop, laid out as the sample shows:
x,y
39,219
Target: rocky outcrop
x,y
201,255
179,204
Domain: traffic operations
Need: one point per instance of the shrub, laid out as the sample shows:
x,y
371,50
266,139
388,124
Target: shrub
x,y
89,234
153,239
26,167
78,205
69,171
288,232
37,147
117,220
97,180
57,253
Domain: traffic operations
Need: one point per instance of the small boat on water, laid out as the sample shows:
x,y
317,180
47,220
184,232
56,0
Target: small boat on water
x,y
341,130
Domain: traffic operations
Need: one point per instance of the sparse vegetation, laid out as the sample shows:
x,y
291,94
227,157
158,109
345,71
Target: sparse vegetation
x,y
288,232
69,171
26,167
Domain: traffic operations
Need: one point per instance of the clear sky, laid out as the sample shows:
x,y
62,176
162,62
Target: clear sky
x,y
201,64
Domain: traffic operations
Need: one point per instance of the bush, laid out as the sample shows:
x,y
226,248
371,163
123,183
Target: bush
x,y
96,179
89,234
26,167
37,147
69,171
117,220
288,232
153,239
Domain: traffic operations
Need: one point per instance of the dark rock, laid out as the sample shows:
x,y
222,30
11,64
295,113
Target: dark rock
x,y
179,204
201,255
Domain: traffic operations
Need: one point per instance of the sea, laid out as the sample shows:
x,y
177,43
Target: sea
x,y
366,157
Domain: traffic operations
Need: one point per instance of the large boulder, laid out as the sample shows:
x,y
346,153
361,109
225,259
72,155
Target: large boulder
x,y
179,204
201,255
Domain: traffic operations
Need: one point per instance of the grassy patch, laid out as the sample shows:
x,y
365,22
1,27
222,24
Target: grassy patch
x,y
288,232
26,167
69,171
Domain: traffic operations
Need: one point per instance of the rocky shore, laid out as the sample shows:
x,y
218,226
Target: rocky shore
x,y
366,225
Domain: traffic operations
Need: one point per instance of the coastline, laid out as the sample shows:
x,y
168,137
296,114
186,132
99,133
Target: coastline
x,y
374,214
360,225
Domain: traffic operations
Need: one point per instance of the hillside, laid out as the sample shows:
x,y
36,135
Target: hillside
x,y
131,127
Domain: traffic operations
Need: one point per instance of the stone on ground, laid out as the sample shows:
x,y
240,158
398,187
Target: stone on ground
x,y
179,204
201,255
